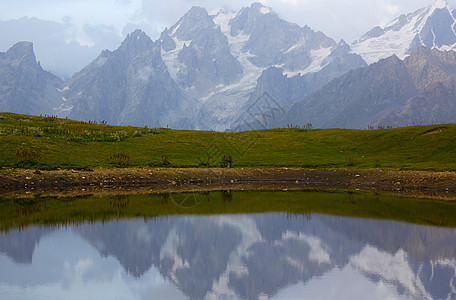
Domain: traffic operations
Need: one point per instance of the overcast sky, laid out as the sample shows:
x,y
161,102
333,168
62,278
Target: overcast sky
x,y
80,29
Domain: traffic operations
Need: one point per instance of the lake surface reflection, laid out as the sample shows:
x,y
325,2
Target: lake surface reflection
x,y
259,256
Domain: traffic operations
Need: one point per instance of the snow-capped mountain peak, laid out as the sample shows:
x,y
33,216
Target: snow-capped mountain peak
x,y
432,27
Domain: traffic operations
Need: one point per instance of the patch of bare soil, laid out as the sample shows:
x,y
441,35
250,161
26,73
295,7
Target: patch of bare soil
x,y
436,130
425,184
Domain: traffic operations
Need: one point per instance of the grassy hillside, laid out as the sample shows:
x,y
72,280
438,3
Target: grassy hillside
x,y
49,143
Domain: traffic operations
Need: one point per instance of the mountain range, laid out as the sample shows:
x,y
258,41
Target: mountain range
x,y
227,70
242,256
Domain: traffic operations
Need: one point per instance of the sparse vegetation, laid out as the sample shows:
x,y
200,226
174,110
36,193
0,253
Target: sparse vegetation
x,y
205,163
26,159
120,159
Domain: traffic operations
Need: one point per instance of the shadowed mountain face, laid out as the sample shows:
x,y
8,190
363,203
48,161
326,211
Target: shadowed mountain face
x,y
201,52
24,86
130,86
273,41
250,256
418,90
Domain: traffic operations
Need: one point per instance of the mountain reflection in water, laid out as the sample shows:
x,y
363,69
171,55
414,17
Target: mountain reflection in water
x,y
259,256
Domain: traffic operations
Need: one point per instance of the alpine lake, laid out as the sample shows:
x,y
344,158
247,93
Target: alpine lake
x,y
305,244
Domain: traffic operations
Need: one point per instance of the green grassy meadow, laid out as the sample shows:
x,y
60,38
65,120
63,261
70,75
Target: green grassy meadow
x,y
49,143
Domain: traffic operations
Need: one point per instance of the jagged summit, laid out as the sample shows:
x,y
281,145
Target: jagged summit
x,y
191,24
21,50
24,86
259,8
136,35
246,19
440,4
138,39
433,27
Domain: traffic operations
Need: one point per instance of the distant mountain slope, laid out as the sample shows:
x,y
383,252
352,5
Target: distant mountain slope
x,y
432,27
420,89
130,86
198,53
285,89
257,39
24,86
434,74
271,41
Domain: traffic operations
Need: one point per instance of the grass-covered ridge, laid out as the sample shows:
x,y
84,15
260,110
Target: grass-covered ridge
x,y
49,143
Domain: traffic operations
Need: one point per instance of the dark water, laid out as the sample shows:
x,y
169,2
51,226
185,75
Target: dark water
x,y
257,256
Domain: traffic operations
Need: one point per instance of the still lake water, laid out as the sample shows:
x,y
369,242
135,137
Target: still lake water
x,y
270,255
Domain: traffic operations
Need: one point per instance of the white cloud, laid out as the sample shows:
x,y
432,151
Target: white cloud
x,y
392,9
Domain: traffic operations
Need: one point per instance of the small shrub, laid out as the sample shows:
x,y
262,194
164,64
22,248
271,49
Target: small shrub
x,y
350,161
118,136
227,161
122,134
377,162
150,131
165,161
137,134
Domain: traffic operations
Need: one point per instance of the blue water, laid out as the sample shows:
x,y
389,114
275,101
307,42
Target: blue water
x,y
260,256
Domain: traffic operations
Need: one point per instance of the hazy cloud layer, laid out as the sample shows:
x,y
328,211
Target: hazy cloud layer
x,y
77,30
53,43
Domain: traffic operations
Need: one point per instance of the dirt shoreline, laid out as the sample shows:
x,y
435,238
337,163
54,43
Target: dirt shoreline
x,y
422,184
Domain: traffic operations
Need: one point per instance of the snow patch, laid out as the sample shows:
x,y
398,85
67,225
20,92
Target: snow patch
x,y
175,29
171,58
251,74
317,252
317,56
169,249
223,19
440,4
298,45
391,268
62,108
64,89
265,10
235,266
399,42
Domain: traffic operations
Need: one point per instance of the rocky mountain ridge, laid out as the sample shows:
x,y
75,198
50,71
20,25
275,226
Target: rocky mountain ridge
x,y
130,86
432,27
208,70
417,90
24,86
